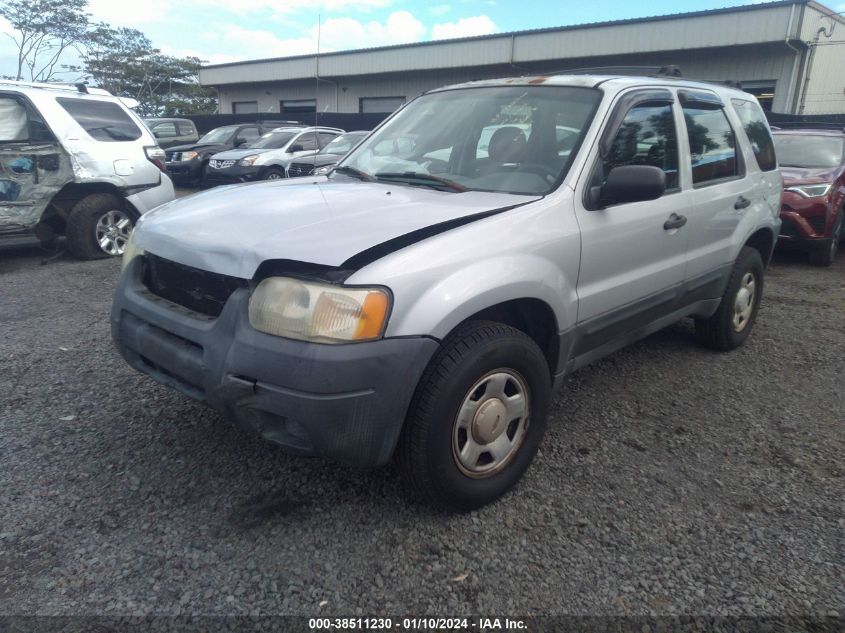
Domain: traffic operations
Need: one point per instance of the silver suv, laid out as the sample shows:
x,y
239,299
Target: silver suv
x,y
75,161
426,297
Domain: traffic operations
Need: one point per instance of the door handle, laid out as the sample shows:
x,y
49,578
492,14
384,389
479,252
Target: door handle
x,y
675,221
741,203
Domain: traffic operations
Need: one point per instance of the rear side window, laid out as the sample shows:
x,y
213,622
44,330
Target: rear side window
x,y
757,130
647,136
185,128
14,123
712,145
102,120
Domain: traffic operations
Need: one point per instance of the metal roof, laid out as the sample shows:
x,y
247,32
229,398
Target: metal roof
x,y
768,22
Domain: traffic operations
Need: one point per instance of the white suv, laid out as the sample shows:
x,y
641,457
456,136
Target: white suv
x,y
426,297
75,161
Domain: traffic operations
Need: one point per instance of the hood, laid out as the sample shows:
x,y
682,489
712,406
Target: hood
x,y
236,154
196,147
232,230
318,160
808,175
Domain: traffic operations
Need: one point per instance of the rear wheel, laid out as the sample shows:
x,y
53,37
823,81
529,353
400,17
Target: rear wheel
x,y
728,328
99,226
825,256
477,417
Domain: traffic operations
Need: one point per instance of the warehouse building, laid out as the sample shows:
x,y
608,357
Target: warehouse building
x,y
789,53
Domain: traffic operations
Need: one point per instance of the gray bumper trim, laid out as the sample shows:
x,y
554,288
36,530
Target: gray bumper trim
x,y
345,402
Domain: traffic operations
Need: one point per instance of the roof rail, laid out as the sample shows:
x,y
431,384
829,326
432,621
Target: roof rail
x,y
647,71
67,86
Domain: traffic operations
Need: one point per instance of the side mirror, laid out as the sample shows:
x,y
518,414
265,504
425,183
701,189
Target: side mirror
x,y
296,147
630,183
240,142
156,134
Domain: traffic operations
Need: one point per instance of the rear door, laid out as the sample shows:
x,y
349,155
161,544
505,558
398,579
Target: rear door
x,y
721,189
631,266
33,166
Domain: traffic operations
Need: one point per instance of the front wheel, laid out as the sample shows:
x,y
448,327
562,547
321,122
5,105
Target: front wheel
x,y
825,256
728,328
99,226
274,173
477,417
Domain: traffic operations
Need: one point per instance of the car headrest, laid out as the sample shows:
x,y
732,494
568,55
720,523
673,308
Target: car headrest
x,y
507,145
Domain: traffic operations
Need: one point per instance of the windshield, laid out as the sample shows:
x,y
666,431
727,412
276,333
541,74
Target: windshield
x,y
273,140
811,152
513,139
217,135
342,144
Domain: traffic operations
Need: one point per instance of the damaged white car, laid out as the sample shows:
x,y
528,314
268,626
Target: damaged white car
x,y
75,161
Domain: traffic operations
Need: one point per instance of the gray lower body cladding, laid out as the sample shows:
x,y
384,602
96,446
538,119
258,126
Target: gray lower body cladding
x,y
345,402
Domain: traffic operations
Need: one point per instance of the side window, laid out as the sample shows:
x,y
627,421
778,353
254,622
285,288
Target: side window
x,y
185,129
757,131
14,122
647,136
165,130
308,141
326,138
102,120
712,145
249,134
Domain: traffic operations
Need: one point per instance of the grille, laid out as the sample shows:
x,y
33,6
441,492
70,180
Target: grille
x,y
221,164
818,223
172,157
191,288
300,169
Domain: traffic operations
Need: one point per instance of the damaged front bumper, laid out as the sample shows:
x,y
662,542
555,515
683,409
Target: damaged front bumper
x,y
346,402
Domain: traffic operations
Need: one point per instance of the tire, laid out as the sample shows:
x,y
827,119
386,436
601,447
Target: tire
x,y
435,450
274,173
728,328
824,257
97,227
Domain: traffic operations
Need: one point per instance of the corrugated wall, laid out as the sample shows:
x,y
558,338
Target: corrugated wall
x,y
823,89
754,63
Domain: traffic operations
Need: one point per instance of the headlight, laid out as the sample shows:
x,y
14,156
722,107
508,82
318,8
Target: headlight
x,y
811,191
322,171
318,312
186,156
249,160
130,251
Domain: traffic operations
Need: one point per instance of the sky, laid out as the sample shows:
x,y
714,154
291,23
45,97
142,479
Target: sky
x,y
220,31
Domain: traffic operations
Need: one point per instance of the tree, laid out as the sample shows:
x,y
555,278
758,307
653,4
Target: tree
x,y
124,62
44,30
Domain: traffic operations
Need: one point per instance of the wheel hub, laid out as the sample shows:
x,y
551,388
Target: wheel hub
x,y
489,421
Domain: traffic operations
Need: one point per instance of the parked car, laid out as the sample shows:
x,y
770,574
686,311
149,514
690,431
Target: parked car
x,y
188,164
169,132
321,163
268,158
812,163
385,309
75,162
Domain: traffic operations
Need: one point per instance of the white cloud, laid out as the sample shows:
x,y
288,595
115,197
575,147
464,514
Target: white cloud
x,y
277,8
347,33
440,9
465,27
130,13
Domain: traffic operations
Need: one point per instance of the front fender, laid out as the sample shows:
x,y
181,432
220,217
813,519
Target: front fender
x,y
436,309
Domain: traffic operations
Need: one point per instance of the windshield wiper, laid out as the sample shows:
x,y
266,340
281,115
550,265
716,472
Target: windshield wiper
x,y
356,173
426,180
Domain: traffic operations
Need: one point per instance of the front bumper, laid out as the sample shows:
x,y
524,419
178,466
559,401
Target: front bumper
x,y
234,174
190,170
345,402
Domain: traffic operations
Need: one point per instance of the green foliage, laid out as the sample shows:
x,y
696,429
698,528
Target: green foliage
x,y
43,31
121,60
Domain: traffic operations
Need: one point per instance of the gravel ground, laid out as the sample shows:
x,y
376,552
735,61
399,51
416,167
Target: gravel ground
x,y
672,480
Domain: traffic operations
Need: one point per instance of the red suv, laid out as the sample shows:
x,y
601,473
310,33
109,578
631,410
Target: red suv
x,y
812,163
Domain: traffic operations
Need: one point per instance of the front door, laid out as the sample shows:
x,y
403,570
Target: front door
x,y
632,265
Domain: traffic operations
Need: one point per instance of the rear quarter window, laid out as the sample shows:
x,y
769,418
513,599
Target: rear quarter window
x,y
102,120
757,132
